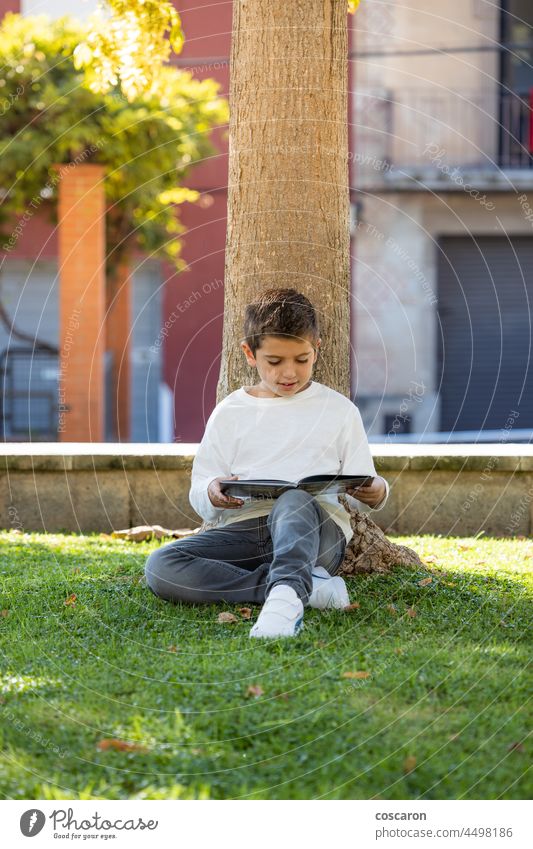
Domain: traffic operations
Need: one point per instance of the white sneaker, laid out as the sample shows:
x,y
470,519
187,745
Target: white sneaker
x,y
281,615
328,593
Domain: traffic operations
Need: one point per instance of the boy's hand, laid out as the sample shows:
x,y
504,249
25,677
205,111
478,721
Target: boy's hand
x,y
370,495
217,497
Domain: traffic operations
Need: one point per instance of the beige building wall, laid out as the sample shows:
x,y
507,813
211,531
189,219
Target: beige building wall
x,y
413,117
395,294
404,103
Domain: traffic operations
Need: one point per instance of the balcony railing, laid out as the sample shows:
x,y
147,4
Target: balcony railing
x,y
423,129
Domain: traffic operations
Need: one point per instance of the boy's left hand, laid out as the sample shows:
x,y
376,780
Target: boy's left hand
x,y
370,495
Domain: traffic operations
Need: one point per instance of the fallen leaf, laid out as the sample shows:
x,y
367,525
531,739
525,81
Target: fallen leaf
x,y
146,532
398,651
354,606
119,746
361,674
424,582
226,616
254,690
4,613
246,612
409,764
172,649
515,747
411,612
392,609
70,601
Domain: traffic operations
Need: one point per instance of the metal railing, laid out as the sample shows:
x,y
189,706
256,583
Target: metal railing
x,y
426,129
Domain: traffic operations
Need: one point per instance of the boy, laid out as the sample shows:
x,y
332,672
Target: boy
x,y
284,553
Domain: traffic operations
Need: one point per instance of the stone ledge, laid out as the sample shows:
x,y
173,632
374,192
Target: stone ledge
x,y
442,489
52,456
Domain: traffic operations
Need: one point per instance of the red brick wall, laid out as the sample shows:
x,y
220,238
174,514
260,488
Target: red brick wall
x,y
193,346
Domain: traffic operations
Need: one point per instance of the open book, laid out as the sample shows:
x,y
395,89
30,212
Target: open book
x,y
315,484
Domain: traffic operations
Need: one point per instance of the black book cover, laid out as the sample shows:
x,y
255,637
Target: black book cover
x,y
314,484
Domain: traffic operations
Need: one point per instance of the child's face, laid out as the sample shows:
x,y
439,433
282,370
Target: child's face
x,y
284,365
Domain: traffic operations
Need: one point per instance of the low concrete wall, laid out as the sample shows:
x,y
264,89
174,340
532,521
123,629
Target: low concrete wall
x,y
455,489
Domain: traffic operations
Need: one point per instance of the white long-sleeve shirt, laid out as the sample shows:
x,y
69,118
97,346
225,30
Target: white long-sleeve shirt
x,y
316,431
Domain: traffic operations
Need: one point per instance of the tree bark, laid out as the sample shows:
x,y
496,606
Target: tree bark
x,y
288,202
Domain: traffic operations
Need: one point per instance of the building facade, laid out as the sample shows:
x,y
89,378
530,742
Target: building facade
x,y
441,189
443,224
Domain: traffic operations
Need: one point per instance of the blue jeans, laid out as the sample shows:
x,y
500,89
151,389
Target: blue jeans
x,y
244,560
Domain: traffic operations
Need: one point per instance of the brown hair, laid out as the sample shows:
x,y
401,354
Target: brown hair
x,y
279,312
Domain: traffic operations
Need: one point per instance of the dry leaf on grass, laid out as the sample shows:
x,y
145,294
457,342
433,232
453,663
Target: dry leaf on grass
x,y
424,582
409,764
70,601
226,617
119,746
354,606
392,609
146,532
246,612
360,675
254,691
172,649
4,613
411,612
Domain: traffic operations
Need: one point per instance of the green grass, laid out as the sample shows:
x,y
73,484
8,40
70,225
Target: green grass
x,y
443,713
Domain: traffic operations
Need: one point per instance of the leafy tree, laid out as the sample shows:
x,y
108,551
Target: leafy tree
x,y
147,142
128,44
288,210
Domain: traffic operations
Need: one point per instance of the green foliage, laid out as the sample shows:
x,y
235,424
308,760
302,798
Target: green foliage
x,y
129,45
147,144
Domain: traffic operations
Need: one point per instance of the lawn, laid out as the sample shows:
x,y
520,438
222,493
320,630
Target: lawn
x,y
107,692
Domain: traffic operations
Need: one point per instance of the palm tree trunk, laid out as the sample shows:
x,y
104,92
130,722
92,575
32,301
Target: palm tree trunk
x,y
288,203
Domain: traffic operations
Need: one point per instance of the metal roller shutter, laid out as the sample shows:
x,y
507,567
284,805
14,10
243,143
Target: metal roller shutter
x,y
484,332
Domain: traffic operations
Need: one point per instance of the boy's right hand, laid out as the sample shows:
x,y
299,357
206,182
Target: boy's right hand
x,y
217,497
